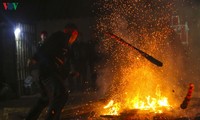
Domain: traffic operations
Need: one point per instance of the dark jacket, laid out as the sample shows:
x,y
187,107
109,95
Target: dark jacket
x,y
53,56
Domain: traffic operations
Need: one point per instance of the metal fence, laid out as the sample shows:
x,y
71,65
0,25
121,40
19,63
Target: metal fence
x,y
25,39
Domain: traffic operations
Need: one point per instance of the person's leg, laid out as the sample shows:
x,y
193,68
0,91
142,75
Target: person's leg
x,y
56,107
59,99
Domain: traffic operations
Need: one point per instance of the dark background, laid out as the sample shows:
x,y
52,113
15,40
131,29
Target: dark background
x,y
35,10
58,12
35,16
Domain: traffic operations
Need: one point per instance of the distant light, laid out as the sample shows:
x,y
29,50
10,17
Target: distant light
x,y
17,32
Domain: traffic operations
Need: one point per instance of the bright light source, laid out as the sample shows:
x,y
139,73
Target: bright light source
x,y
17,33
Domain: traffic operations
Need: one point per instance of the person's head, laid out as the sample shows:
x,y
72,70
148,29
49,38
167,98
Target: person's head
x,y
72,30
43,36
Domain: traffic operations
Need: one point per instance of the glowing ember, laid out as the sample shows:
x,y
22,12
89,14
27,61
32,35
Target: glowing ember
x,y
131,81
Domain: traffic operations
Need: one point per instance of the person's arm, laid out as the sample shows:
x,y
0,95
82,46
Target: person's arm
x,y
73,37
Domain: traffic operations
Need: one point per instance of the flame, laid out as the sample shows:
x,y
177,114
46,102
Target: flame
x,y
147,92
152,104
131,81
112,107
143,93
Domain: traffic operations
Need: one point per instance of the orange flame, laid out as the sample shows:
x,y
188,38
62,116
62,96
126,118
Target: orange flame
x,y
133,80
153,104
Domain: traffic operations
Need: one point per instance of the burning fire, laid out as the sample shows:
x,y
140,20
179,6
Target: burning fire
x,y
132,81
113,107
152,104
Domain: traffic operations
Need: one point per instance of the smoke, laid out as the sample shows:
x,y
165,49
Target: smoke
x,y
189,12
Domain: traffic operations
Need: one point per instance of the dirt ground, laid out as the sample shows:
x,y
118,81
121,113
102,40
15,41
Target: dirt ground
x,y
81,106
16,109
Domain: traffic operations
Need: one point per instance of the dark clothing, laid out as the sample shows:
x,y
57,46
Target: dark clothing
x,y
39,45
53,55
53,61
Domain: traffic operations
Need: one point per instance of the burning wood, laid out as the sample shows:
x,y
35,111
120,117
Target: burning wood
x,y
90,111
136,114
156,104
188,97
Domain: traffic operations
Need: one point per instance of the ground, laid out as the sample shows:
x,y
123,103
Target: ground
x,y
82,106
16,109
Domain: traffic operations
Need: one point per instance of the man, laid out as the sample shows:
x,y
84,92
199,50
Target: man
x,y
34,77
43,37
54,69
